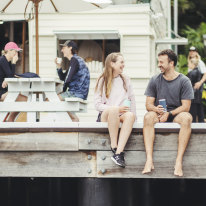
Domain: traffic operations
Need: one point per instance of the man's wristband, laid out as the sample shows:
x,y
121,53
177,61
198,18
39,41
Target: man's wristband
x,y
170,114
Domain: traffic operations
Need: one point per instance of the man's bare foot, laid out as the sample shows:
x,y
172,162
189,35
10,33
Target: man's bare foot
x,y
178,169
149,166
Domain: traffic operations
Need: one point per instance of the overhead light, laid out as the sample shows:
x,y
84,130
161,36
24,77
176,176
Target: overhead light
x,y
1,21
175,41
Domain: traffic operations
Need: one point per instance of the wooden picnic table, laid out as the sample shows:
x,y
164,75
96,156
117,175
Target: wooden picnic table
x,y
42,98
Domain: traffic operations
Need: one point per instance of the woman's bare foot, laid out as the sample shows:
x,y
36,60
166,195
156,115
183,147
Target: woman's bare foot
x,y
149,166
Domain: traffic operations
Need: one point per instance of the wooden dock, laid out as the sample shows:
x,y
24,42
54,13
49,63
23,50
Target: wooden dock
x,y
82,149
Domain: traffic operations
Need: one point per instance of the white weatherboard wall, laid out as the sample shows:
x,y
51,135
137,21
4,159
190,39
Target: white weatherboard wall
x,y
136,50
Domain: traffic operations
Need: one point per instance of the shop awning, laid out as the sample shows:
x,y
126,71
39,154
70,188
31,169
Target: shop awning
x,y
175,41
83,34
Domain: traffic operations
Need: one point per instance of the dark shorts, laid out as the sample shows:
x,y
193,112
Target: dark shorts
x,y
171,118
1,93
99,117
67,94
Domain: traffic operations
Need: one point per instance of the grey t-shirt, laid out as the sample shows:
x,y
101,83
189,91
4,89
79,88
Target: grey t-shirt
x,y
173,91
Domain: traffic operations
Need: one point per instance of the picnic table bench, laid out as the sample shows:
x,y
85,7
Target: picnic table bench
x,y
42,97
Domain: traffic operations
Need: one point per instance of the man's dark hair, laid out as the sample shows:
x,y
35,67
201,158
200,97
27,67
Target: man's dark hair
x,y
72,44
172,57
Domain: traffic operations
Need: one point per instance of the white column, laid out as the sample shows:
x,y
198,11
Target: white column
x,y
176,21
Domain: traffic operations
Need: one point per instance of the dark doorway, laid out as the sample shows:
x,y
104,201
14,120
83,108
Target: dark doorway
x,y
16,31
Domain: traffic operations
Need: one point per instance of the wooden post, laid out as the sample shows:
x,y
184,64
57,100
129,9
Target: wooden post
x,y
23,45
103,53
11,31
36,4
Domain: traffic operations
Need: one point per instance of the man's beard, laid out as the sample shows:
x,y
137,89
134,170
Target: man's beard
x,y
162,70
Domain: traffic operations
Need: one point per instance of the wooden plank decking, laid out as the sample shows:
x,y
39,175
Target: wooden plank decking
x,y
83,150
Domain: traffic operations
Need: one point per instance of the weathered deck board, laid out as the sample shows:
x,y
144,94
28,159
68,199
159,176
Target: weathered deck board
x,y
194,165
47,164
63,149
165,142
98,127
45,141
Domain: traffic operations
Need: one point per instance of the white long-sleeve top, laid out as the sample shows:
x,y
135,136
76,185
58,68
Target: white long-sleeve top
x,y
117,95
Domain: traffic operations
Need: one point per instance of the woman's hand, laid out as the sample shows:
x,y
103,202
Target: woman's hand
x,y
198,85
15,59
4,84
123,109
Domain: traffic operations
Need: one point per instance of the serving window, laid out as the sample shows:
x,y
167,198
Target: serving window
x,y
91,47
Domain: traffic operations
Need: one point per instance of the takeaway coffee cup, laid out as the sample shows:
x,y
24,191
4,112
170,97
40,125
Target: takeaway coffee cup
x,y
163,103
127,103
59,60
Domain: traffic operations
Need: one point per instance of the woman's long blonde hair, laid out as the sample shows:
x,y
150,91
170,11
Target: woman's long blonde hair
x,y
196,56
3,52
194,61
107,75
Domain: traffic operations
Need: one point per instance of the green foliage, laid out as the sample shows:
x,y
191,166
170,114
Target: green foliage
x,y
184,5
195,37
182,64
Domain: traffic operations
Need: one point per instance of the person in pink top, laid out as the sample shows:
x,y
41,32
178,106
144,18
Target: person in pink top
x,y
115,101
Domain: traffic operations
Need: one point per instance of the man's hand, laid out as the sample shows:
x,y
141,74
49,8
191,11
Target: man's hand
x,y
57,65
198,85
159,109
164,117
123,109
4,84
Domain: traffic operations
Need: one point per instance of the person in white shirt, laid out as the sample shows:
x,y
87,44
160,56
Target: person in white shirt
x,y
193,53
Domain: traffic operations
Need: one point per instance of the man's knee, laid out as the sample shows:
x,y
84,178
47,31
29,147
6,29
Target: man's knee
x,y
184,119
150,118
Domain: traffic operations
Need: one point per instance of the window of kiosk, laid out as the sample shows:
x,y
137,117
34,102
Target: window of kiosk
x,y
93,52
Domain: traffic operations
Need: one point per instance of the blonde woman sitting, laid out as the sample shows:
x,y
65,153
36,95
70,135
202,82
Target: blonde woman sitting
x,y
115,101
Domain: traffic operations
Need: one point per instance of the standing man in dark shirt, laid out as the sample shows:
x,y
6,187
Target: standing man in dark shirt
x,y
76,78
177,90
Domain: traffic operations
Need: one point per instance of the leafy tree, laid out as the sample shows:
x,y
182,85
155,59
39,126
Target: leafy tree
x,y
184,6
195,38
191,25
182,64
